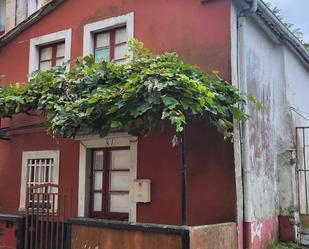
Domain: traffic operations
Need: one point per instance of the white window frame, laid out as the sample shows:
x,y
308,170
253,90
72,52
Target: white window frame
x,y
28,155
95,141
104,25
35,43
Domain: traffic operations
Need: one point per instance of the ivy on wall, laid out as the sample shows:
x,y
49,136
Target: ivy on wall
x,y
137,96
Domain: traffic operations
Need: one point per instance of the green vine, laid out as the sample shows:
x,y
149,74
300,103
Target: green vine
x,y
137,96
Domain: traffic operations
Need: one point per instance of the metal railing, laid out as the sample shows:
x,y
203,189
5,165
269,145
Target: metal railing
x,y
302,169
47,208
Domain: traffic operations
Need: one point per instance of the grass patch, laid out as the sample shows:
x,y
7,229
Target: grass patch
x,y
285,246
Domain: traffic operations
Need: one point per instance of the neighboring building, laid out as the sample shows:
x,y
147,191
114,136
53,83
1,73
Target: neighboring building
x,y
13,12
251,182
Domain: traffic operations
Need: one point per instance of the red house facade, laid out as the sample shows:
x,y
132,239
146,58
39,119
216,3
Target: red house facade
x,y
103,173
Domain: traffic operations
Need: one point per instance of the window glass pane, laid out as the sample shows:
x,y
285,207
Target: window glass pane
x,y
60,50
121,35
120,159
59,61
101,54
46,53
119,203
122,61
120,51
98,160
98,180
45,65
97,202
102,40
120,181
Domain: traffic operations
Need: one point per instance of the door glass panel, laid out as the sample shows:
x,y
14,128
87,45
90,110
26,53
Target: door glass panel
x,y
98,160
119,181
120,159
97,202
119,202
98,180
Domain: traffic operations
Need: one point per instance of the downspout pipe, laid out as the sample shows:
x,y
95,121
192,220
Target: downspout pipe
x,y
251,9
244,130
183,177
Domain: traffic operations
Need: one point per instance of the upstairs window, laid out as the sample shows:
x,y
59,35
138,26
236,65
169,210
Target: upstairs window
x,y
107,39
111,45
51,55
49,50
2,16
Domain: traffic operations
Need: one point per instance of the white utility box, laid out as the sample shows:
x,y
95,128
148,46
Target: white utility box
x,y
142,190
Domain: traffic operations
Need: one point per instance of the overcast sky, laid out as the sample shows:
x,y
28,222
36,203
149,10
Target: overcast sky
x,y
296,12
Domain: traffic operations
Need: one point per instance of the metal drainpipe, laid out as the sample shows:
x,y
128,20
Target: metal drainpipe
x,y
245,143
183,176
251,10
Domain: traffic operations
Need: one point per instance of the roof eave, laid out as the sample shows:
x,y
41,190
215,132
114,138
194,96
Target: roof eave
x,y
282,32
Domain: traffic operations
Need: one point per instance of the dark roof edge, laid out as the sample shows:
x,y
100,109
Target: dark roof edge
x,y
36,16
282,32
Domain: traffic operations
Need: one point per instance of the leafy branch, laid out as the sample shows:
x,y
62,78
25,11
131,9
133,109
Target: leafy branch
x,y
135,97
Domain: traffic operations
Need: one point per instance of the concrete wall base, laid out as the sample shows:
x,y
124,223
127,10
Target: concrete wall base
x,y
103,234
261,234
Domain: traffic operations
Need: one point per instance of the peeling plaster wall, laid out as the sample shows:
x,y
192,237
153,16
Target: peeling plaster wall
x,y
274,75
16,12
10,14
21,11
297,114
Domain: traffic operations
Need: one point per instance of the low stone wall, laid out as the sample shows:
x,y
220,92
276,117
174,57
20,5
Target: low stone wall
x,y
11,231
104,234
219,236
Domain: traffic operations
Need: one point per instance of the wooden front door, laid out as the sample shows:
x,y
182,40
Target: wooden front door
x,y
110,185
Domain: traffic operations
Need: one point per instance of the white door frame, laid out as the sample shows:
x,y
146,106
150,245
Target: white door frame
x,y
110,141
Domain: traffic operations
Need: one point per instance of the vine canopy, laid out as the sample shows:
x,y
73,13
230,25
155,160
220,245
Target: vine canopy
x,y
137,96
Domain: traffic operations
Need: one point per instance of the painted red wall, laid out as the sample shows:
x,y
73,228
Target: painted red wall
x,y
200,33
10,165
211,178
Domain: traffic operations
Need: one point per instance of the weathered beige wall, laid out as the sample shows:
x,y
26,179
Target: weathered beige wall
x,y
16,12
10,15
221,236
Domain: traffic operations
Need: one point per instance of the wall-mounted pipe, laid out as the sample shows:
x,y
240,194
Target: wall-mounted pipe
x,y
183,177
244,130
251,9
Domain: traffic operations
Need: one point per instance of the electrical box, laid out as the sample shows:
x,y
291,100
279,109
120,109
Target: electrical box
x,y
142,190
